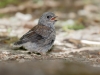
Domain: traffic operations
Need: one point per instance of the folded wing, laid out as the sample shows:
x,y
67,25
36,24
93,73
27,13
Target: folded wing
x,y
37,34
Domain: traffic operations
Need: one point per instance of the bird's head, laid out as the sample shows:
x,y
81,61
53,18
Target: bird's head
x,y
48,19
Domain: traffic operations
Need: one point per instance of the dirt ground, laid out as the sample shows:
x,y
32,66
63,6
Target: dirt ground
x,y
76,50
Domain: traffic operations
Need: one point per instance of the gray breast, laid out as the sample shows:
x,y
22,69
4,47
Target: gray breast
x,y
42,46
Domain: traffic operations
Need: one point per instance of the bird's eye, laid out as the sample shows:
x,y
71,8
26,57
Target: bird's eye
x,y
48,17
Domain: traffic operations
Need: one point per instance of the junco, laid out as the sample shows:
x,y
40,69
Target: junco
x,y
40,38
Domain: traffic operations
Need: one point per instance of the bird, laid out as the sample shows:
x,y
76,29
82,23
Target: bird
x,y
41,37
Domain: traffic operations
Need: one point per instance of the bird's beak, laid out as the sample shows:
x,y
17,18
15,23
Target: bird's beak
x,y
54,18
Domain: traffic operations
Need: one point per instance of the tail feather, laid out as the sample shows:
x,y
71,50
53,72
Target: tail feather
x,y
18,43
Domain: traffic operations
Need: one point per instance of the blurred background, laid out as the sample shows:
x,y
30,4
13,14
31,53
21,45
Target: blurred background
x,y
77,28
16,17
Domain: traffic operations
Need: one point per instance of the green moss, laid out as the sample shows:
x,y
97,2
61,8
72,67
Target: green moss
x,y
4,3
4,15
1,15
75,26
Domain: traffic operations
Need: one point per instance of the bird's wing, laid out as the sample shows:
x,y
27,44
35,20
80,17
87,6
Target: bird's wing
x,y
36,34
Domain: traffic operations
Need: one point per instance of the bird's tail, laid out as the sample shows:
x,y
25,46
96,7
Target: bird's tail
x,y
17,44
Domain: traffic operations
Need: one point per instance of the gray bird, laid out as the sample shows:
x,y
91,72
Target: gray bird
x,y
40,38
